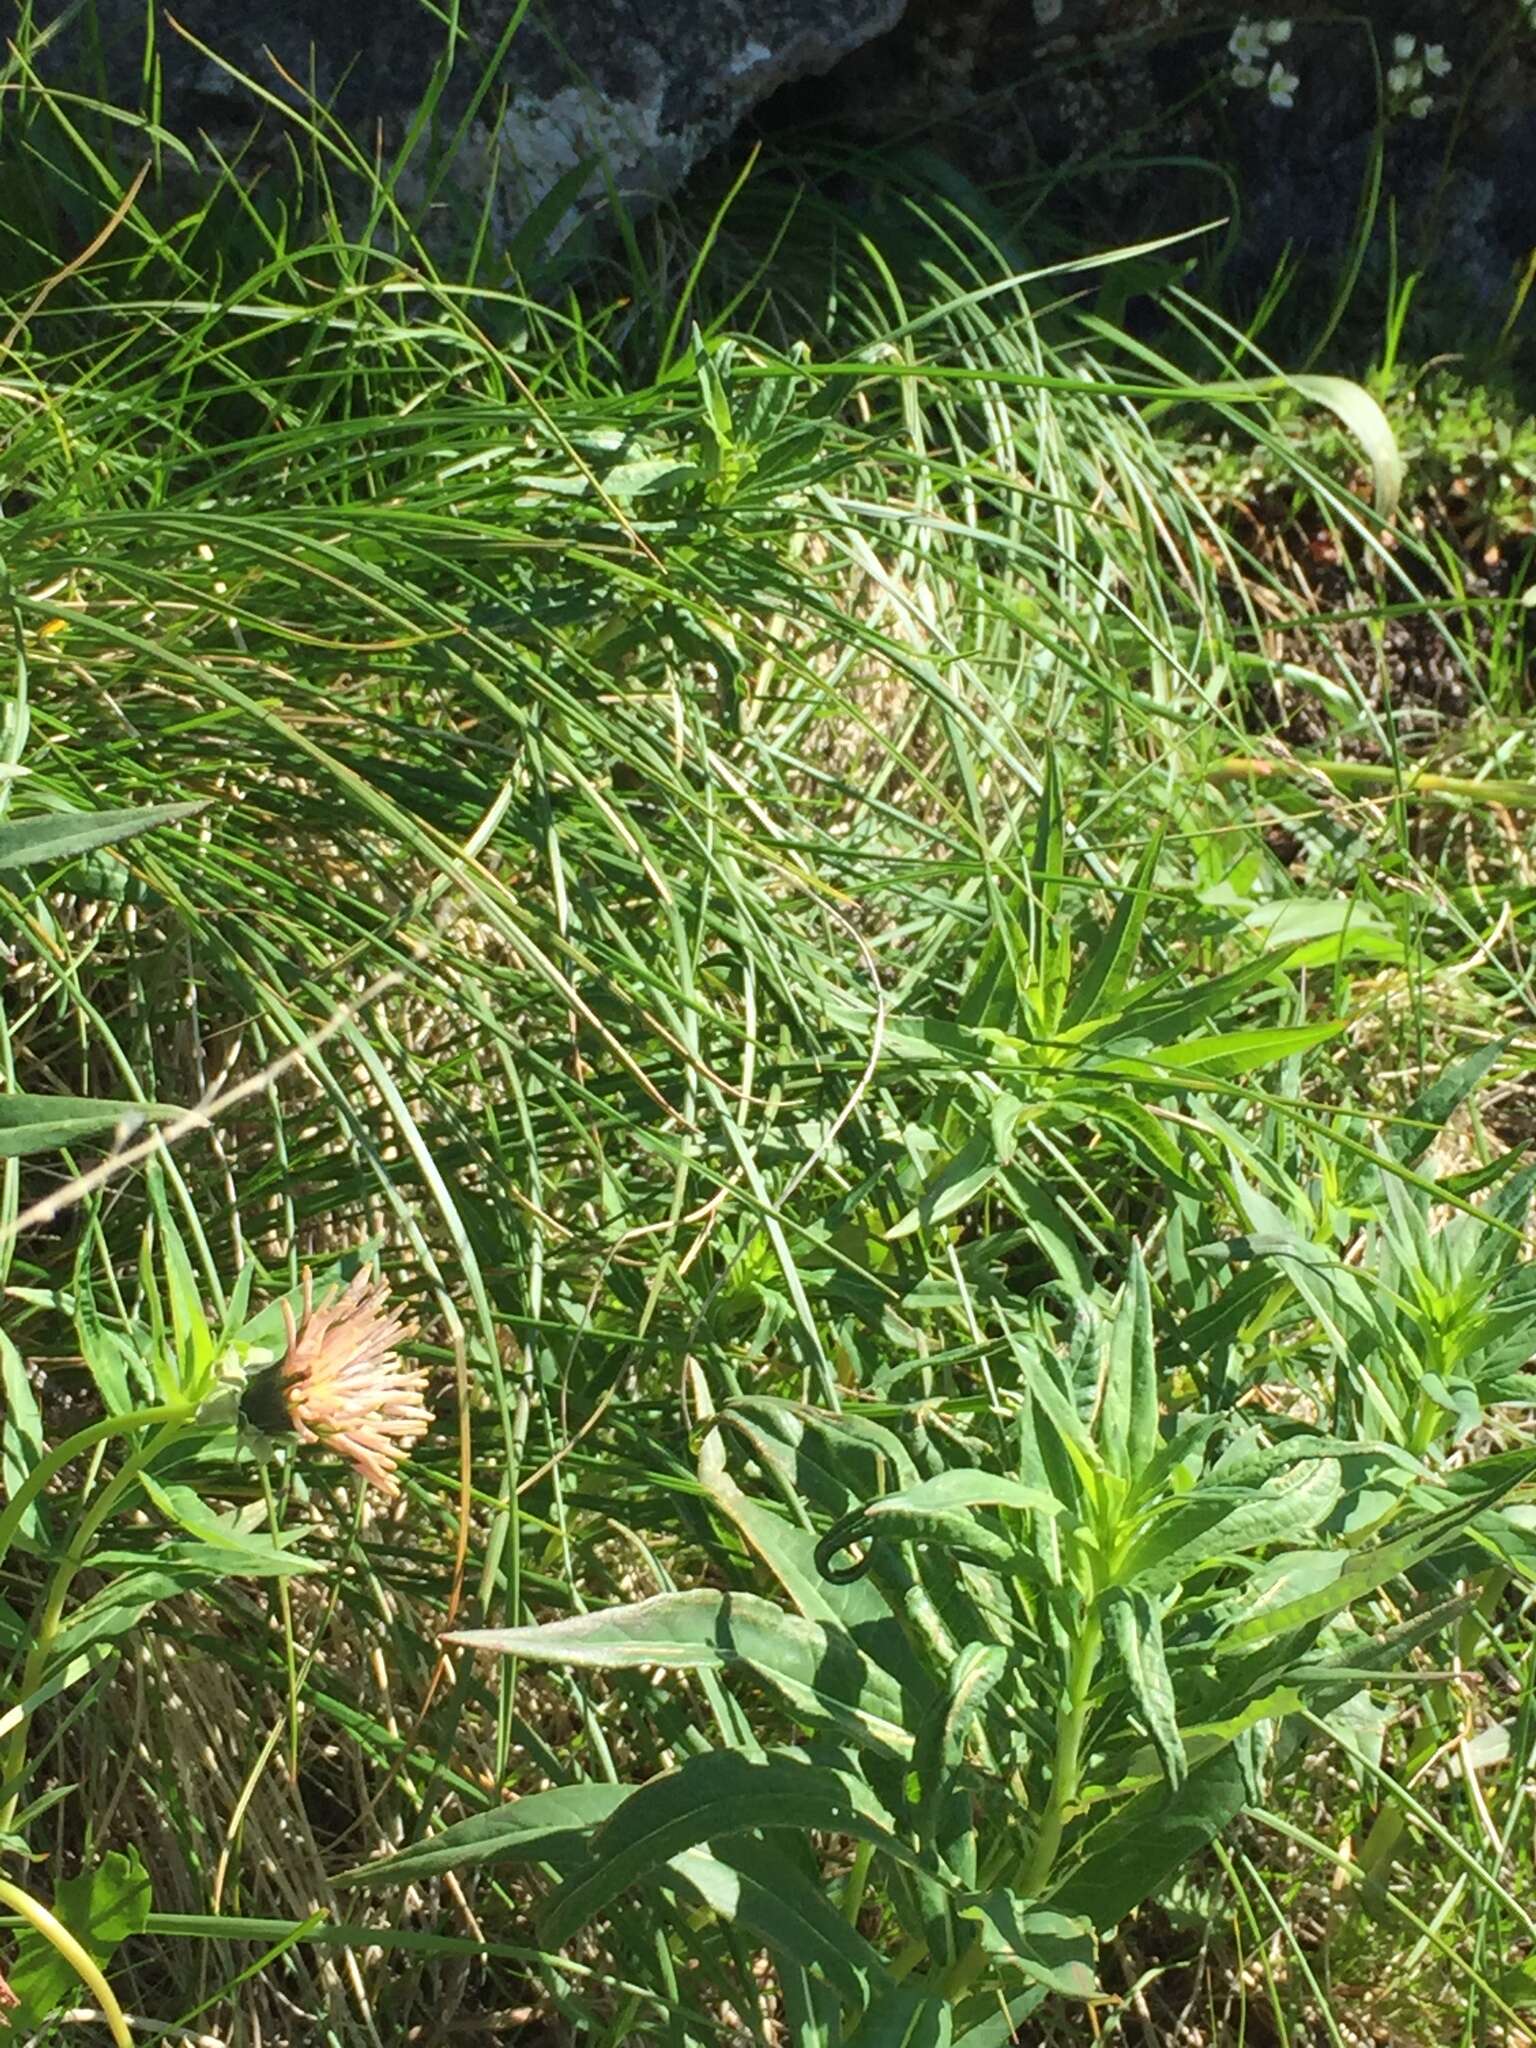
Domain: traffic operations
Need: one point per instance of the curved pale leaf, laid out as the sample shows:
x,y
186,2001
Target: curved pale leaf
x,y
815,1667
1352,404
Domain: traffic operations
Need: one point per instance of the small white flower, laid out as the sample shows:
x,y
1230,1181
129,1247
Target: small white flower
x,y
1402,78
1277,31
1246,42
1403,47
1047,11
1435,59
1282,86
1247,74
1421,106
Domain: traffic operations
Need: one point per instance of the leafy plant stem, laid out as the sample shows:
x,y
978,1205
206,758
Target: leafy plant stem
x,y
48,1467
1067,1768
80,1961
47,1625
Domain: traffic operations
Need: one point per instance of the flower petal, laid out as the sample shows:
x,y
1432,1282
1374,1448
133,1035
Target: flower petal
x,y
343,1383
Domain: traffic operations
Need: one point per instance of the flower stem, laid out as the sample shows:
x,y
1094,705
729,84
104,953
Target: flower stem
x,y
84,1965
53,1462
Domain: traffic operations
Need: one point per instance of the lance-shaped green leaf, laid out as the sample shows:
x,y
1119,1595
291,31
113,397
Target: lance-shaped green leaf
x,y
1136,1630
29,842
134,1588
51,1123
1225,1053
812,2012
1334,1292
905,2018
944,1817
1108,968
1183,1453
1483,1485
1043,1465
814,1668
1251,1463
191,1336
1128,1408
830,1460
972,1169
1221,1522
749,1884
944,1510
116,1365
1293,1576
1000,2019
1055,1949
1128,1857
21,1438
1265,1688
709,1798
1098,1098
546,1827
258,1558
1327,1677
1049,1225
1427,1115
222,1541
788,1549
823,1460
1139,1768
1164,1012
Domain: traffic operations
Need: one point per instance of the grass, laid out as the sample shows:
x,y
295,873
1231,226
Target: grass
x,y
642,719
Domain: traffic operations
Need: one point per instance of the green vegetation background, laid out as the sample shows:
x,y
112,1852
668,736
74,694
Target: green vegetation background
x,y
772,806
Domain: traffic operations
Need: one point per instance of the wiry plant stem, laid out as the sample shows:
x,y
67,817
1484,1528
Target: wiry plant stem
x,y
79,1960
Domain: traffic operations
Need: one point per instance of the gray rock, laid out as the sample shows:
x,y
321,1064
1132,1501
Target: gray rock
x,y
536,125
634,91
1156,115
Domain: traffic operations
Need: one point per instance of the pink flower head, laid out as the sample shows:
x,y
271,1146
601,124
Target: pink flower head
x,y
343,1383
